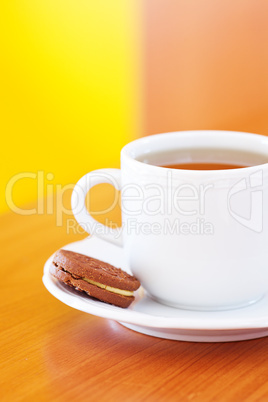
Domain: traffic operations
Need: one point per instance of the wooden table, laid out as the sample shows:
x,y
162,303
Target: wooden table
x,y
50,351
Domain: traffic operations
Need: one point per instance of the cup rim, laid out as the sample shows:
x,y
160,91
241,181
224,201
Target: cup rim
x,y
239,141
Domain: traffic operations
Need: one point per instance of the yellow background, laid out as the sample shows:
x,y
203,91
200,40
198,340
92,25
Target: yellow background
x,y
69,79
79,79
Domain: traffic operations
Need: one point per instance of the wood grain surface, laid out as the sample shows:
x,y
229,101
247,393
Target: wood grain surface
x,y
51,352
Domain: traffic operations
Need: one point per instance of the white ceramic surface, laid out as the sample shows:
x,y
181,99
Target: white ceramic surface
x,y
195,239
149,317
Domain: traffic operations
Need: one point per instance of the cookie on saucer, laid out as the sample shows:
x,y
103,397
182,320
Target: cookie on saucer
x,y
97,278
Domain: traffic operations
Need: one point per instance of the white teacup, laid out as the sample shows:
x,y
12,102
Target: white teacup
x,y
196,239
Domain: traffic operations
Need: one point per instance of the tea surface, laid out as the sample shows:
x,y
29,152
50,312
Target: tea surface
x,y
203,158
203,166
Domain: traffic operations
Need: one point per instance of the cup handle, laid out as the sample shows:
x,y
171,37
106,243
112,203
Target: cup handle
x,y
83,217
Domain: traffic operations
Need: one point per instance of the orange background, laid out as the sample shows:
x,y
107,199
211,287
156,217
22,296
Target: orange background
x,y
81,79
206,65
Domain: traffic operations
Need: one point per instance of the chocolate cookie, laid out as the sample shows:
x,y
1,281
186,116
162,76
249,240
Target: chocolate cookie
x,y
97,278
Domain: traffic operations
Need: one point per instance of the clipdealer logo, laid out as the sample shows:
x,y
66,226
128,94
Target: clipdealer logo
x,y
250,188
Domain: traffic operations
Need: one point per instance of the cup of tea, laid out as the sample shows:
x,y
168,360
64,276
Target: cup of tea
x,y
194,216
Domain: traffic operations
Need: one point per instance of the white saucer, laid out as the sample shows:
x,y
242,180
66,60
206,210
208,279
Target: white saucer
x,y
149,317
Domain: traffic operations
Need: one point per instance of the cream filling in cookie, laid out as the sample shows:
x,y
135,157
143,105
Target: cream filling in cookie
x,y
110,288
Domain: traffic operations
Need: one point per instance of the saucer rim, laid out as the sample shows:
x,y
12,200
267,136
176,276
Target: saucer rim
x,y
130,316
